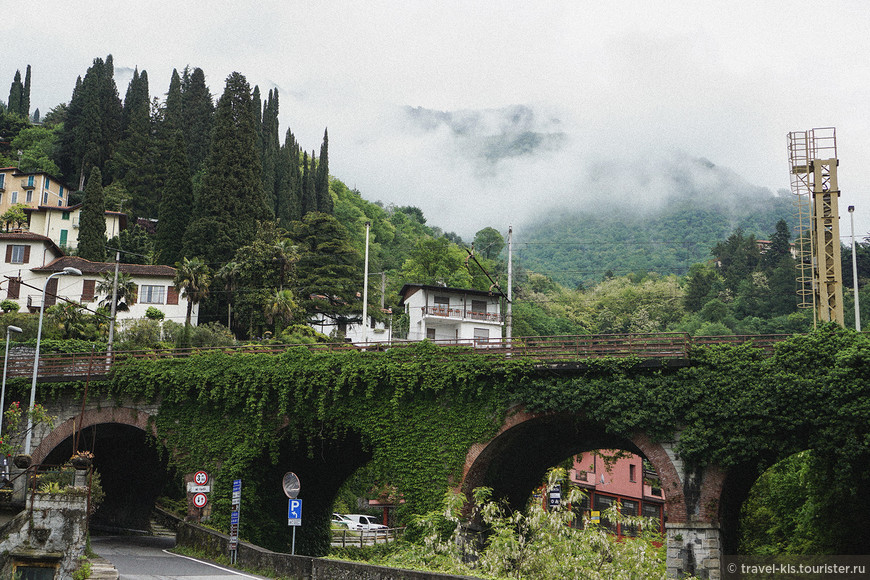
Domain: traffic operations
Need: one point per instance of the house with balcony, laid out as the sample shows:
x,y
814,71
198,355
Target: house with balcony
x,y
61,224
31,189
455,314
31,258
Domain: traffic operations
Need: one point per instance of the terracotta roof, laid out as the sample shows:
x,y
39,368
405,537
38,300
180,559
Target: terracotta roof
x,y
29,237
88,267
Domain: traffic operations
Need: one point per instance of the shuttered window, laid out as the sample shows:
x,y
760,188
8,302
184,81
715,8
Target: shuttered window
x,y
88,290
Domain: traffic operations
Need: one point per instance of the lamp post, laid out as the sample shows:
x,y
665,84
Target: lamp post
x,y
4,459
855,271
5,365
68,271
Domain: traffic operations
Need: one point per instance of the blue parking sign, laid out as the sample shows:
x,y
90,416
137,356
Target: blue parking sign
x,y
294,512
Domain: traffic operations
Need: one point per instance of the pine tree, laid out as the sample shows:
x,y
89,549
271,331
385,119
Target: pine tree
x,y
231,200
321,179
198,116
92,224
175,204
16,94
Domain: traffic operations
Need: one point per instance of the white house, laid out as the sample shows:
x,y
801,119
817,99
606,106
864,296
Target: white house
x,y
61,224
375,332
31,258
440,313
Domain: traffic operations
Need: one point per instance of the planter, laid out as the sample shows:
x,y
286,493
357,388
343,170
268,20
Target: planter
x,y
81,463
22,461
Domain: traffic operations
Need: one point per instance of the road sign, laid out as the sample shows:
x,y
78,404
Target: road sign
x,y
237,486
199,500
294,512
234,520
193,488
234,517
291,485
595,517
200,478
555,495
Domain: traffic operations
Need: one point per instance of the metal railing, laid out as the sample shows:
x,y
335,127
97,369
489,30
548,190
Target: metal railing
x,y
542,349
461,314
357,539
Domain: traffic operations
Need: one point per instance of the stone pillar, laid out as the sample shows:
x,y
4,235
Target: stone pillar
x,y
694,549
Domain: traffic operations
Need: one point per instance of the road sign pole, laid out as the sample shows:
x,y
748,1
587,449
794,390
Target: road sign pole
x,y
293,548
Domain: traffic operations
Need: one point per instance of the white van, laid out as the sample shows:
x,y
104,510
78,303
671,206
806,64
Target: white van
x,y
360,522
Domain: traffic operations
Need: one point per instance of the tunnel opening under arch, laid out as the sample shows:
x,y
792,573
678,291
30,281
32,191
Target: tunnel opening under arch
x,y
133,473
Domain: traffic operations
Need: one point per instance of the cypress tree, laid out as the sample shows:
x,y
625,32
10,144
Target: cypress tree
x,y
198,116
289,194
309,201
25,97
174,117
321,179
271,146
231,199
175,204
16,94
92,224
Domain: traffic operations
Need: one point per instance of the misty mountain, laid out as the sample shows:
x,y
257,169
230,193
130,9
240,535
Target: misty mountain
x,y
662,220
493,134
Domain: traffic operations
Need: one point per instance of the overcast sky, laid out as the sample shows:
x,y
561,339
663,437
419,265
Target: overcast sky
x,y
432,103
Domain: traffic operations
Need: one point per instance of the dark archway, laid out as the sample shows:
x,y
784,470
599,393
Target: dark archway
x,y
133,473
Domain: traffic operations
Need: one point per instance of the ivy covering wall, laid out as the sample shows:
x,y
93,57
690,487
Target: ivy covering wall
x,y
414,412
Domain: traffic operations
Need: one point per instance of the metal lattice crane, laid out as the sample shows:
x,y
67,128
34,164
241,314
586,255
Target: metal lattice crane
x,y
813,166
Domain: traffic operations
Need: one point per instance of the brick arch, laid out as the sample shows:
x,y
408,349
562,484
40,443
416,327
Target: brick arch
x,y
480,454
121,415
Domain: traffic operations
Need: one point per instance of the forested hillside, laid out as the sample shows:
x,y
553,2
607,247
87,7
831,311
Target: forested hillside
x,y
266,239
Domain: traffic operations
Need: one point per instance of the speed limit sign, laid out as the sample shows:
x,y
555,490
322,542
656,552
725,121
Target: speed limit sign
x,y
199,500
200,478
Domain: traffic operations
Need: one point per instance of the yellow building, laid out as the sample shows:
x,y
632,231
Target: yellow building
x,y
31,189
61,224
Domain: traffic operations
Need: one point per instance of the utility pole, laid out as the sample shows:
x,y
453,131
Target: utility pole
x,y
114,306
510,287
365,323
855,272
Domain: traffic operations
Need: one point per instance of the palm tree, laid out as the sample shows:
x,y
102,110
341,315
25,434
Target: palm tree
x,y
280,308
126,290
229,275
192,279
286,254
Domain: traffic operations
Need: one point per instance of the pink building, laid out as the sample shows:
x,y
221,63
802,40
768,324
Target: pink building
x,y
609,475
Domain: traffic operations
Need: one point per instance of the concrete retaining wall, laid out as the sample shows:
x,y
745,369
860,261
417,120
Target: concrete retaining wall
x,y
214,543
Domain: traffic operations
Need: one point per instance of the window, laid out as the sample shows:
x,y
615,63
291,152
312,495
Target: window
x,y
46,182
171,295
16,254
64,215
28,197
430,333
60,193
632,473
14,197
88,290
65,233
14,289
30,180
444,300
60,203
2,180
629,508
45,198
478,306
481,335
600,504
152,294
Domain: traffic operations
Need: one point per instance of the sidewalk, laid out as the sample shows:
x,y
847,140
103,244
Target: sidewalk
x,y
102,569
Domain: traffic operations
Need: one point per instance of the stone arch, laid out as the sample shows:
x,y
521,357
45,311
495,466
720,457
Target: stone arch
x,y
481,455
122,415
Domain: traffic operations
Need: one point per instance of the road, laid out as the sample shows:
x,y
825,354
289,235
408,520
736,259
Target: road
x,y
148,558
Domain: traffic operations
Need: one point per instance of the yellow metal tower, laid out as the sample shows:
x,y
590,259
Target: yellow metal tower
x,y
813,161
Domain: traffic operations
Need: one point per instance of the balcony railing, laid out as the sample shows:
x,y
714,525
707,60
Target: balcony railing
x,y
25,184
462,314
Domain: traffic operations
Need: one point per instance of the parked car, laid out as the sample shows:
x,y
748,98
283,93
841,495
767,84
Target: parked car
x,y
340,520
361,522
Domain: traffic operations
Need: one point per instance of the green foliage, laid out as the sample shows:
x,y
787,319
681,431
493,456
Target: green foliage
x,y
154,313
536,544
175,203
14,216
92,231
8,306
37,144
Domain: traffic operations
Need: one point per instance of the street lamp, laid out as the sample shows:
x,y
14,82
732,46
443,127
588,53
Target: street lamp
x,y
855,271
66,271
5,459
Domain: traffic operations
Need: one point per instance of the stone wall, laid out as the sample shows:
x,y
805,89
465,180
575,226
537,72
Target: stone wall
x,y
693,549
253,557
50,531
